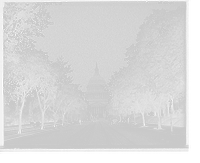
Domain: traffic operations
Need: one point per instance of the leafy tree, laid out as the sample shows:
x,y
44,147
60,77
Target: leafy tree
x,y
130,94
68,102
81,108
44,78
21,20
156,67
23,81
160,52
61,70
67,98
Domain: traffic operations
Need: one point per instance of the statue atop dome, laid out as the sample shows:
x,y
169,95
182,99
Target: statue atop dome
x,y
96,69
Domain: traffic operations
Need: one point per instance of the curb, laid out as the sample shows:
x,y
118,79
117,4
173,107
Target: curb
x,y
155,129
14,136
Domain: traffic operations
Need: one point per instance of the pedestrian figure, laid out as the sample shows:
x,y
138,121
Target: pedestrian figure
x,y
80,121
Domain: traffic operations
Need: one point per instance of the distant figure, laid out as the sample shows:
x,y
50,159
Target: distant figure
x,y
80,121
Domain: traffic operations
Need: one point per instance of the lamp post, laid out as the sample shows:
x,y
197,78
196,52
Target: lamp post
x,y
170,110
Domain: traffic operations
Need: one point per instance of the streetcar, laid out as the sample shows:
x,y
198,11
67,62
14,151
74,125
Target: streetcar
x,y
94,118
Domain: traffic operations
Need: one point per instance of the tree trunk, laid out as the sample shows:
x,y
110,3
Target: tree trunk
x,y
20,116
67,118
134,119
171,123
54,124
40,105
123,119
54,114
128,120
63,118
20,122
71,118
159,120
143,120
172,106
42,122
168,109
120,118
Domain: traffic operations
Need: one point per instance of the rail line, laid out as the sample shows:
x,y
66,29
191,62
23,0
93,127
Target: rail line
x,y
84,133
87,136
108,140
115,132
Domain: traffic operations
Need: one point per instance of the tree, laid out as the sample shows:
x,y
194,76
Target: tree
x,y
130,91
61,70
67,98
44,79
155,73
23,80
67,102
21,20
156,62
82,109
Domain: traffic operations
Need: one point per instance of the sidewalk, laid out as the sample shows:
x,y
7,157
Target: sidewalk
x,y
166,129
28,130
8,135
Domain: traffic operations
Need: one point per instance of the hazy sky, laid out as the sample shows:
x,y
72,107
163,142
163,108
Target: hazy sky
x,y
86,33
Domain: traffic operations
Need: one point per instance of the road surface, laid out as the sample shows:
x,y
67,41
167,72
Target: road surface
x,y
99,135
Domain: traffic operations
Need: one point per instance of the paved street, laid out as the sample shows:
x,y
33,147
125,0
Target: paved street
x,y
99,135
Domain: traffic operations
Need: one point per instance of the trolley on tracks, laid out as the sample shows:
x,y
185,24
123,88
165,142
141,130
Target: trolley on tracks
x,y
94,118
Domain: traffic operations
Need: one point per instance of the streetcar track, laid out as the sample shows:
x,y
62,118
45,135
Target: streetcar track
x,y
88,135
106,135
84,136
112,134
119,134
75,137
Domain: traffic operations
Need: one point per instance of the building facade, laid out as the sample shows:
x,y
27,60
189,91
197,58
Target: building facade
x,y
97,95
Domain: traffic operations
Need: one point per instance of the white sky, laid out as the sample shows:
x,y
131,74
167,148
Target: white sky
x,y
86,33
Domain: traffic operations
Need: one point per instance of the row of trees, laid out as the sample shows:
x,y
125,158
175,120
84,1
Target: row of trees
x,y
49,82
154,79
27,71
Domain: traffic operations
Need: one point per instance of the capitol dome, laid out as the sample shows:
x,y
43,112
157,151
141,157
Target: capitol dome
x,y
97,94
96,83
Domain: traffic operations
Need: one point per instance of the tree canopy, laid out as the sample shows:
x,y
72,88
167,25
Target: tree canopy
x,y
21,20
156,65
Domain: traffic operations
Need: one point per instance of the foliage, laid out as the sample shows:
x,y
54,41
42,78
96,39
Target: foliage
x,y
156,67
71,100
21,20
28,71
21,81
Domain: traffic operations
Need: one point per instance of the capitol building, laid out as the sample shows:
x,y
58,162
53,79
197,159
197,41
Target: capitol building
x,y
97,95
